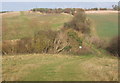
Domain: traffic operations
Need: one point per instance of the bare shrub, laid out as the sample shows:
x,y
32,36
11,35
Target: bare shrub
x,y
43,40
25,45
67,10
97,42
79,22
9,47
41,43
114,46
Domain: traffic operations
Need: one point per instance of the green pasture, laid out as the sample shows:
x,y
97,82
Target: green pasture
x,y
106,24
25,25
58,67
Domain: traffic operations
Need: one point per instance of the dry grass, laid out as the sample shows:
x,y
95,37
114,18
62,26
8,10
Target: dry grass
x,y
48,67
101,12
16,26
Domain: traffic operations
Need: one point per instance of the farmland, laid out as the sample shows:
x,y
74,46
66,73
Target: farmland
x,y
17,26
97,66
57,67
106,24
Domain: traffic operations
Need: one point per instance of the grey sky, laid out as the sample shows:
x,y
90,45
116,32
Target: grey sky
x,y
23,6
60,0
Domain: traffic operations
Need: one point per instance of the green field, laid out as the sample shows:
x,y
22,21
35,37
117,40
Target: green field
x,y
26,24
17,26
58,67
106,24
48,67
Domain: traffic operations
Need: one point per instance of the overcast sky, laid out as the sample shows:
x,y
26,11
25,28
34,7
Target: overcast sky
x,y
23,5
60,0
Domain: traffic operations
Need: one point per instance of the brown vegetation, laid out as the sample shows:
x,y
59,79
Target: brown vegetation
x,y
67,40
79,22
114,46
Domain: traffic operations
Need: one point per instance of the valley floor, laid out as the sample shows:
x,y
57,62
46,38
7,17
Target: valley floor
x,y
58,67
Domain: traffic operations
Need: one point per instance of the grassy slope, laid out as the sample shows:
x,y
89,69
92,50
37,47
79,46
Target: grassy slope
x,y
106,24
26,24
57,67
17,26
45,67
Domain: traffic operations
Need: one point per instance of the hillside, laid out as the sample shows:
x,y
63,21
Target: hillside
x,y
16,25
106,23
59,47
12,28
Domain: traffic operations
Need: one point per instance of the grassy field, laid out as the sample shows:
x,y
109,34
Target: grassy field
x,y
57,67
48,67
26,24
17,26
106,24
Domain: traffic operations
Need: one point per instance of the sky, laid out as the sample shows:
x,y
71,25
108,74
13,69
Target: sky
x,y
23,6
60,0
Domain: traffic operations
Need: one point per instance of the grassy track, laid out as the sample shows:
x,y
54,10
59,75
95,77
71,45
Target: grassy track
x,y
47,67
106,24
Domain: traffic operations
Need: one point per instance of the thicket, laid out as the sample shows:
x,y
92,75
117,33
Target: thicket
x,y
69,40
65,10
5,11
103,9
43,41
8,48
114,47
78,28
75,36
40,43
56,10
79,22
116,7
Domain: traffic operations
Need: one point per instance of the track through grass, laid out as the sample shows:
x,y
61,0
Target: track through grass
x,y
48,67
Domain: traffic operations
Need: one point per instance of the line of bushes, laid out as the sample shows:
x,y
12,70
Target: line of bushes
x,y
56,10
5,11
43,41
66,10
78,28
40,43
95,9
79,22
75,36
114,47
